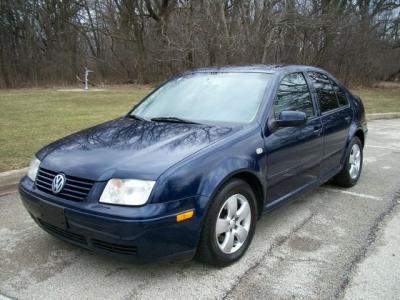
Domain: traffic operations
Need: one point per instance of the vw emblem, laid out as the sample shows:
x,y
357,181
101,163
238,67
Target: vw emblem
x,y
58,183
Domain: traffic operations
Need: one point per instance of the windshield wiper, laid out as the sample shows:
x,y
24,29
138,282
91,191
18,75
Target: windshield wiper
x,y
173,120
136,117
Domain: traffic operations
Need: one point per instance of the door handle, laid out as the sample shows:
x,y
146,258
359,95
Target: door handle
x,y
317,130
348,118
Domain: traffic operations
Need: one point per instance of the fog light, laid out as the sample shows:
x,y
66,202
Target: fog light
x,y
184,216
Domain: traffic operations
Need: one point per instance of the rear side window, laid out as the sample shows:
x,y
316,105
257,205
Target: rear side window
x,y
341,96
293,94
326,94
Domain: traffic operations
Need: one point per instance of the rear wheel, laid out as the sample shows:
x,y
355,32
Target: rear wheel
x,y
351,171
229,226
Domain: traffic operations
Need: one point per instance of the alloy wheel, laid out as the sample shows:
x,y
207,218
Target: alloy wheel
x,y
354,161
233,224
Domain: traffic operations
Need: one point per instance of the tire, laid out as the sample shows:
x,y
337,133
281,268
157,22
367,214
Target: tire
x,y
349,175
214,247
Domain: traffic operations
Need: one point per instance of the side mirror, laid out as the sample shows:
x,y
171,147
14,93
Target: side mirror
x,y
289,118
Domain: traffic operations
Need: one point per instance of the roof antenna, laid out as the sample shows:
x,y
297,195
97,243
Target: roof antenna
x,y
87,71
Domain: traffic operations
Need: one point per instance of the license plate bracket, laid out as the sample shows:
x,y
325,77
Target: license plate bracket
x,y
53,214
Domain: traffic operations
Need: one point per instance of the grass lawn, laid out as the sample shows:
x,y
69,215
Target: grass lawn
x,y
32,118
380,99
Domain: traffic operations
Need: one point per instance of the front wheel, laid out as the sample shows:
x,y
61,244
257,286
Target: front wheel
x,y
351,171
229,226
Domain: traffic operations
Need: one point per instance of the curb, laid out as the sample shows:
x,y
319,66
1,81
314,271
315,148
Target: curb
x,y
9,181
11,178
382,116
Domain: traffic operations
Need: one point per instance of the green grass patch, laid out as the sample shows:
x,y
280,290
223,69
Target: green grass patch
x,y
32,118
381,99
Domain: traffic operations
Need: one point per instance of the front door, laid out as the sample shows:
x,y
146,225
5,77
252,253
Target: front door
x,y
294,154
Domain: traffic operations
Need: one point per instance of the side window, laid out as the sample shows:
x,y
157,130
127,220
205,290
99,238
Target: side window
x,y
341,96
326,94
293,94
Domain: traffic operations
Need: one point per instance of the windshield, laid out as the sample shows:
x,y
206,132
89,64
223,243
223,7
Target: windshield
x,y
207,97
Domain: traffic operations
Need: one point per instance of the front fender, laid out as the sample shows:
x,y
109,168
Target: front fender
x,y
226,170
203,174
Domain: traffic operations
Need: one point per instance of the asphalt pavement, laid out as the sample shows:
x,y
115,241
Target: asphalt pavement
x,y
331,243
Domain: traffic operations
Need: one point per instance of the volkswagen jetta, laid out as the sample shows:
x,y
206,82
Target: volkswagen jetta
x,y
194,165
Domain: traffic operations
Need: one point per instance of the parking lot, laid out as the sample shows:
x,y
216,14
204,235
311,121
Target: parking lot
x,y
321,246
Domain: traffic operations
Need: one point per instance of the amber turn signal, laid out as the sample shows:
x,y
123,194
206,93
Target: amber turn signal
x,y
184,216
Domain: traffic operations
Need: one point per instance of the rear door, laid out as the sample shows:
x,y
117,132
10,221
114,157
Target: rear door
x,y
336,116
294,153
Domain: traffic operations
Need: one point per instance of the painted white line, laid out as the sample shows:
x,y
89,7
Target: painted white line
x,y
351,193
383,147
2,297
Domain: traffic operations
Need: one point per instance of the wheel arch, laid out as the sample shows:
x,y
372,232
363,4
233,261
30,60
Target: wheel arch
x,y
354,131
251,179
255,184
360,134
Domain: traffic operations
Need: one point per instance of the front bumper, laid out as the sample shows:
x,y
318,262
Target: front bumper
x,y
107,229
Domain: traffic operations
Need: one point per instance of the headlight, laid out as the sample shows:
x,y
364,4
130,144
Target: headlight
x,y
127,191
33,168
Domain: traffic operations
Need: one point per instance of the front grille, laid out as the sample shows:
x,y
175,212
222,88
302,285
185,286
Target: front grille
x,y
116,248
75,188
63,233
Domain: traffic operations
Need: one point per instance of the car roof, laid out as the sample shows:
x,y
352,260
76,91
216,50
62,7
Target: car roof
x,y
271,69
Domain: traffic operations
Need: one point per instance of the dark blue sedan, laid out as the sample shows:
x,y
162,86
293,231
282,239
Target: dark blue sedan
x,y
193,166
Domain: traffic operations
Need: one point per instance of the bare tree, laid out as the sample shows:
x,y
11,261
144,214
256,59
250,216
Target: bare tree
x,y
46,42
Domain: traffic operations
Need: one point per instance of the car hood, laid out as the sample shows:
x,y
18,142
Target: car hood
x,y
127,148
